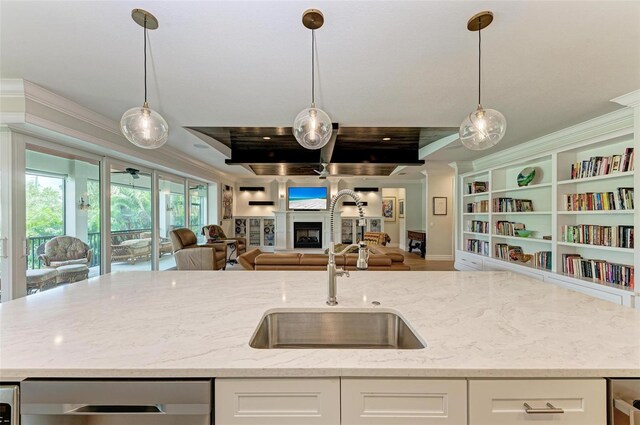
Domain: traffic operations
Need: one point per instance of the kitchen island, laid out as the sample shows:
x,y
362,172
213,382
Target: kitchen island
x,y
491,338
198,324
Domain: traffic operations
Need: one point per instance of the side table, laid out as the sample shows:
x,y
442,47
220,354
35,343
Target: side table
x,y
232,246
417,239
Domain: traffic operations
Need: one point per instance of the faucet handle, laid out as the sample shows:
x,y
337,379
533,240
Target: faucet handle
x,y
346,273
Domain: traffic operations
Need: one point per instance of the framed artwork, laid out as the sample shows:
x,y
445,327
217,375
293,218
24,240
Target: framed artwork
x,y
401,208
227,202
389,208
439,205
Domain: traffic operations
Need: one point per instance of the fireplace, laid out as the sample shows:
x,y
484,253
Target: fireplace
x,y
307,234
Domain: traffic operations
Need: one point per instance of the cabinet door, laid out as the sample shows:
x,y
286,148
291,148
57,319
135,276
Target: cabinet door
x,y
312,401
501,402
255,229
241,227
269,230
347,231
403,401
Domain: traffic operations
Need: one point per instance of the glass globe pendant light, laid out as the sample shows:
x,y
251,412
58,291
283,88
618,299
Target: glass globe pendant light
x,y
143,126
483,128
312,127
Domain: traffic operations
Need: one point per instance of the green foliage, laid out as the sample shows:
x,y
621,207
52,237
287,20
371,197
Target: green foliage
x,y
45,210
130,208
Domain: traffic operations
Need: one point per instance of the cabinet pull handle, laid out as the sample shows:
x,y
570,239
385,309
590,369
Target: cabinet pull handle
x,y
101,409
549,409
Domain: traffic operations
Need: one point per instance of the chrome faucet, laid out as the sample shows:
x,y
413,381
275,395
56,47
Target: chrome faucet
x,y
363,254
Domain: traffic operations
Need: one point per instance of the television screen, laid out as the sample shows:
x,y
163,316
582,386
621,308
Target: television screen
x,y
307,198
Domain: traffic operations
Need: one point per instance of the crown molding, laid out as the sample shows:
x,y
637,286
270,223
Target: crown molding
x,y
168,158
12,87
35,93
630,99
614,124
12,117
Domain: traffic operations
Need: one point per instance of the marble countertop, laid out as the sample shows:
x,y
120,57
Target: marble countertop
x,y
198,324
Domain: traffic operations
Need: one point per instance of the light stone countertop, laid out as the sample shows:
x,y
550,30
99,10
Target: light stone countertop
x,y
198,324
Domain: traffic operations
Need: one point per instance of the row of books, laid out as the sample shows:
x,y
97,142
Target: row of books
x,y
477,187
508,228
477,246
601,270
478,226
480,206
504,251
542,260
622,199
512,205
592,234
602,165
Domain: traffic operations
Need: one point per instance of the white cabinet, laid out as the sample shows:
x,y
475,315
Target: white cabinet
x,y
466,262
350,232
259,231
403,401
303,401
502,402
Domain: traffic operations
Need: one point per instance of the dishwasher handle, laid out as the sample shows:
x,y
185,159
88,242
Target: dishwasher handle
x,y
113,409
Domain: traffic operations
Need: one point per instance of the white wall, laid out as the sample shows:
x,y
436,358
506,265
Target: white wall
x,y
440,235
241,199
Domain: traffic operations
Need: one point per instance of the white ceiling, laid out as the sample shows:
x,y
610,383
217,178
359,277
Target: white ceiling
x,y
547,65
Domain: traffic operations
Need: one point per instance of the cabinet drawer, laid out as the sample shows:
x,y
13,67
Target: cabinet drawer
x,y
501,402
277,401
614,298
403,401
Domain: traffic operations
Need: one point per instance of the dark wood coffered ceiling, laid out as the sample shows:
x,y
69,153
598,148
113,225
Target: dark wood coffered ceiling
x,y
359,151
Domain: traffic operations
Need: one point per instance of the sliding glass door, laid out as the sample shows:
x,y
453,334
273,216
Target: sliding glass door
x,y
198,212
171,215
62,207
131,218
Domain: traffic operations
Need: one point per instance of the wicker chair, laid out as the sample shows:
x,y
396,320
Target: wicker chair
x,y
68,255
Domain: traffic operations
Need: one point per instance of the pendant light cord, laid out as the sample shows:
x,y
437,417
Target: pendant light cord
x,y
313,68
145,59
479,61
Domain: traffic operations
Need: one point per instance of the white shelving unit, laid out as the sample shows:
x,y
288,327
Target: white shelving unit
x,y
352,233
259,231
553,162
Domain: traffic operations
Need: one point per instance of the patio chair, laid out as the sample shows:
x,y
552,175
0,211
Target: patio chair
x,y
69,256
191,256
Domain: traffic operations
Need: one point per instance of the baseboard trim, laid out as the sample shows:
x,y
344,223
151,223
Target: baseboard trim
x,y
439,257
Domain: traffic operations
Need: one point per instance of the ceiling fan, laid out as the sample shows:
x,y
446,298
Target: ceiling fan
x,y
131,171
324,173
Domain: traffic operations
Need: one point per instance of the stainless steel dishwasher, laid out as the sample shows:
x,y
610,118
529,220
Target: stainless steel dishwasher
x,y
94,402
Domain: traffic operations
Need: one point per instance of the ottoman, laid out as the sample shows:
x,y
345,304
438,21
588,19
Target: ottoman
x,y
72,273
41,279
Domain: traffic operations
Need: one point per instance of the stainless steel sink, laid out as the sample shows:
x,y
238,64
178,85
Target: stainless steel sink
x,y
379,329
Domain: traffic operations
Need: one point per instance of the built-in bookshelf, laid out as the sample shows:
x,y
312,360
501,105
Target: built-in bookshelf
x,y
579,209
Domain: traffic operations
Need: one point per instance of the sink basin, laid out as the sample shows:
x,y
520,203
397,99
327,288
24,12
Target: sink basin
x,y
321,328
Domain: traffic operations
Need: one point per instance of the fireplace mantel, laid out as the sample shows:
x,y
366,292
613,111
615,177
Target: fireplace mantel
x,y
284,226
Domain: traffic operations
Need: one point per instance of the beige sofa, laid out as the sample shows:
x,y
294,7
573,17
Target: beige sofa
x,y
379,259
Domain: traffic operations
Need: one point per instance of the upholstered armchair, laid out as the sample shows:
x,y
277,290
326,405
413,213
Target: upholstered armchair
x,y
65,251
191,256
214,233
